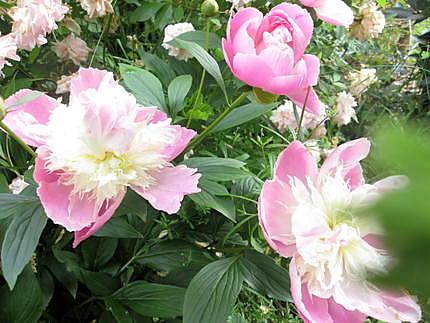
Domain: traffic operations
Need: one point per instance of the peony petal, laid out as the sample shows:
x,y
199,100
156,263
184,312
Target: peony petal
x,y
244,69
88,78
244,16
408,310
183,137
275,206
392,183
170,187
335,12
347,157
340,314
105,213
312,69
28,121
62,206
281,61
296,161
313,104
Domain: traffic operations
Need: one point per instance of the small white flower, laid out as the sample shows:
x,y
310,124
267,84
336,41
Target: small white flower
x,y
8,50
361,80
371,22
173,31
283,118
97,8
18,185
345,104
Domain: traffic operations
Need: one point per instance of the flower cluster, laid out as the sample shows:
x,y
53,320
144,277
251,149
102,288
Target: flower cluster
x,y
72,48
344,110
370,22
91,151
97,8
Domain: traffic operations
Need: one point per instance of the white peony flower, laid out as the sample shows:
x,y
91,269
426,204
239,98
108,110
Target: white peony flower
x,y
171,32
97,8
72,48
345,104
283,118
7,51
361,80
371,21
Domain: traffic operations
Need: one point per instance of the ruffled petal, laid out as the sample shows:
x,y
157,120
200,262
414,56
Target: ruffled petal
x,y
335,12
170,187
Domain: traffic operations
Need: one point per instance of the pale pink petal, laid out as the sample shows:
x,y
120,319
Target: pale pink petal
x,y
243,16
62,206
87,78
335,12
391,183
105,213
296,161
28,120
347,158
151,115
275,206
312,69
183,137
281,61
313,309
228,52
407,309
170,187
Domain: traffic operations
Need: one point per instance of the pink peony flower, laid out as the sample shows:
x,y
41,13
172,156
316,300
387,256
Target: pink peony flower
x,y
7,51
335,12
72,48
91,151
268,52
309,214
34,19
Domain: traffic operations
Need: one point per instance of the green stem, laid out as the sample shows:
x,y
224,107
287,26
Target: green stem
x,y
227,111
299,129
17,139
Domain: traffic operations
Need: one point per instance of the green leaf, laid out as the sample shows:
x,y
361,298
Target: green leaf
x,y
133,204
151,299
66,277
204,58
24,303
217,169
215,196
20,242
202,38
243,114
265,276
119,312
97,252
144,86
159,67
177,91
164,16
5,5
212,293
118,227
99,283
145,12
173,255
14,204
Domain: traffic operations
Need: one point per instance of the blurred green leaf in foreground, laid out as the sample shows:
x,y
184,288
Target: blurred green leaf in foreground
x,y
405,214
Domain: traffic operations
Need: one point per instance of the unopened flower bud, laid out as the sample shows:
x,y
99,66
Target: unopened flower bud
x,y
209,8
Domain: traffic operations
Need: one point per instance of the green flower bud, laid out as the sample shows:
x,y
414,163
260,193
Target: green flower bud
x,y
264,97
209,8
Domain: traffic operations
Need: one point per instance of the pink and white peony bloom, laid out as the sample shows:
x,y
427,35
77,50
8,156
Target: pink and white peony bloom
x,y
309,214
7,51
97,8
72,48
345,111
267,52
91,151
34,19
334,12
